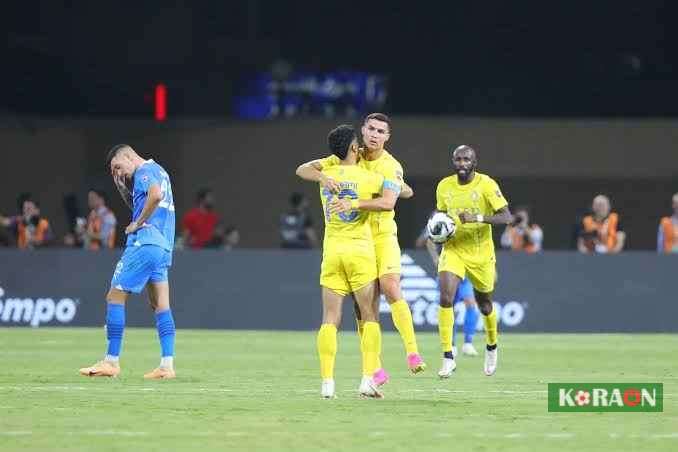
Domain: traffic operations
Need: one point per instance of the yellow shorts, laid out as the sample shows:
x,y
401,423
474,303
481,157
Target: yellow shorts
x,y
482,275
388,254
347,269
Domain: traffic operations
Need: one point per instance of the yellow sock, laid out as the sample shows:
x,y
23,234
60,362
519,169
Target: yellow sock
x,y
371,344
445,324
402,319
490,322
361,327
327,349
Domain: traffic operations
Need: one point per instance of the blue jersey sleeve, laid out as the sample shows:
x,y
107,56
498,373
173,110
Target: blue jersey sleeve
x,y
145,179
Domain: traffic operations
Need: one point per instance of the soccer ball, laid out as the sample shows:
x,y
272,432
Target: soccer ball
x,y
440,227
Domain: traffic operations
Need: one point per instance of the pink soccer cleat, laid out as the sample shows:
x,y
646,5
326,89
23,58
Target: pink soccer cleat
x,y
415,363
380,377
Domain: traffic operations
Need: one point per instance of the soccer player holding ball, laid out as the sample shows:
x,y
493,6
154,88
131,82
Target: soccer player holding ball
x,y
475,202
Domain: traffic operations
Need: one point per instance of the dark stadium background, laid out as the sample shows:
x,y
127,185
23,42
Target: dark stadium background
x,y
563,101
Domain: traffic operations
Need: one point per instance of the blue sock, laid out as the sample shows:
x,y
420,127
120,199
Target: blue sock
x,y
470,322
115,326
165,324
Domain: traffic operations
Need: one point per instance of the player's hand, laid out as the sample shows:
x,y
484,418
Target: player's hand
x,y
132,227
466,217
340,205
330,184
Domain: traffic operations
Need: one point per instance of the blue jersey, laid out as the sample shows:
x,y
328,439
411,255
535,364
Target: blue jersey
x,y
159,228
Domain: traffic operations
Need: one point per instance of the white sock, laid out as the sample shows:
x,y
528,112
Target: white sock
x,y
167,362
112,359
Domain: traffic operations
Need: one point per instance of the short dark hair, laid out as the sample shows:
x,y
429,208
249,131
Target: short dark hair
x,y
379,117
339,140
202,194
114,151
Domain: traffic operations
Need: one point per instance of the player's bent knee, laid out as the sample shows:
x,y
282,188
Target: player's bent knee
x,y
116,296
389,285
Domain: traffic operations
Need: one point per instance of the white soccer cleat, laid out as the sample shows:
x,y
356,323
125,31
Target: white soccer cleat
x,y
327,389
368,388
446,369
469,350
491,362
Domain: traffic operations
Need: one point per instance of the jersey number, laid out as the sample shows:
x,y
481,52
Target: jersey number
x,y
346,217
167,198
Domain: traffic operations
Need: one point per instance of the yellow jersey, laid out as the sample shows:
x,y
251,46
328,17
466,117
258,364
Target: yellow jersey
x,y
392,171
472,241
355,183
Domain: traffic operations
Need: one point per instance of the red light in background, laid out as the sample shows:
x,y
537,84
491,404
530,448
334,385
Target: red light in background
x,y
160,102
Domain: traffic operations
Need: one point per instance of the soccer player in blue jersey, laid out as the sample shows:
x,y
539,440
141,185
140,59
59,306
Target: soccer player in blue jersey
x,y
145,261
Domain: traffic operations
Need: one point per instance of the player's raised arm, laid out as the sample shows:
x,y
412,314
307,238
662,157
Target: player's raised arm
x,y
124,192
385,202
312,171
152,200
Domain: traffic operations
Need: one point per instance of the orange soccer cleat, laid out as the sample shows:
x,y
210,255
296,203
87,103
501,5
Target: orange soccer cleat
x,y
101,369
160,373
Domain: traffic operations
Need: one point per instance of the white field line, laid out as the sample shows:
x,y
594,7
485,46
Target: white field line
x,y
515,435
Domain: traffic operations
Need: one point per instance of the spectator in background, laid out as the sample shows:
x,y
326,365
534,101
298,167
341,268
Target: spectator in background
x,y
225,238
521,235
100,229
198,224
75,222
296,226
601,231
30,228
667,237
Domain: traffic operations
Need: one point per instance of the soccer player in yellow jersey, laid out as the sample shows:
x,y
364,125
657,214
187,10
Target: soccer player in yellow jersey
x,y
349,261
376,131
475,202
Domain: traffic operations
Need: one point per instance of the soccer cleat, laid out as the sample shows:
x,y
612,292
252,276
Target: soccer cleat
x,y
327,389
468,349
490,362
160,373
369,389
448,366
415,363
101,369
380,377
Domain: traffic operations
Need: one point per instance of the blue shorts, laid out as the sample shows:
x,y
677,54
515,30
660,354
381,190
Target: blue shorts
x,y
140,265
464,291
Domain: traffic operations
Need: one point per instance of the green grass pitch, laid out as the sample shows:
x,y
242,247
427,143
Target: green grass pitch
x,y
249,390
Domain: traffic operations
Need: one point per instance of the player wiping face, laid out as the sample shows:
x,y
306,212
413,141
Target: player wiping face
x,y
145,261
